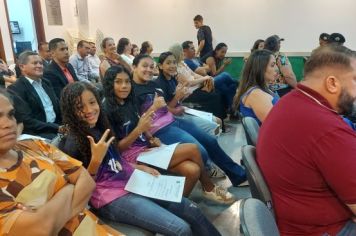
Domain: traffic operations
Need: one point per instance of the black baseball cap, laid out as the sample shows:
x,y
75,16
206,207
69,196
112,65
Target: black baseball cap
x,y
324,36
278,38
336,38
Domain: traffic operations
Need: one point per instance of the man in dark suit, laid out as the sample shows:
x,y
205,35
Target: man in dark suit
x,y
59,72
36,104
45,54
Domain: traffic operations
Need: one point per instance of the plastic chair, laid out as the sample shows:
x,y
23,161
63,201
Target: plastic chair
x,y
251,128
258,185
256,219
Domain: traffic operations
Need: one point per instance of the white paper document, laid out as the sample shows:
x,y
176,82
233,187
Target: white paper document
x,y
160,156
202,114
163,187
29,136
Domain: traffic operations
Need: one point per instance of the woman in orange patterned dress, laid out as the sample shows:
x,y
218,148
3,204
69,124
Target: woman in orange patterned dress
x,y
42,190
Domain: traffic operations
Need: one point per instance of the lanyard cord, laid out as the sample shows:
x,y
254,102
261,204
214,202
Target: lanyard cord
x,y
316,100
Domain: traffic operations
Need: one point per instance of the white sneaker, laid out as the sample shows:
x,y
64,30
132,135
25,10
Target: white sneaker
x,y
216,172
219,195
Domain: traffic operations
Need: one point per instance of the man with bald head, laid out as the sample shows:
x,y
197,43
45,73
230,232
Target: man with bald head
x,y
307,153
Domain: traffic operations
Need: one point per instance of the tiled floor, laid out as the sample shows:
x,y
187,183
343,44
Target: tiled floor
x,y
226,220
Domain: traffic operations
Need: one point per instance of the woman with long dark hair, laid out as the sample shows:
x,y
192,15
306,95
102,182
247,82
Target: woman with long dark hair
x,y
91,141
124,47
253,97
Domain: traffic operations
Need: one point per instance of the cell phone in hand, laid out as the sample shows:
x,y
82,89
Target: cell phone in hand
x,y
283,60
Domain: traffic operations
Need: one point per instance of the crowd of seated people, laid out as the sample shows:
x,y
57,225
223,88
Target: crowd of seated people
x,y
139,105
213,64
202,89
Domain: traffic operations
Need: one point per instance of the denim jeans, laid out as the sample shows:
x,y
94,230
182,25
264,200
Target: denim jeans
x,y
348,230
167,218
186,132
205,125
227,87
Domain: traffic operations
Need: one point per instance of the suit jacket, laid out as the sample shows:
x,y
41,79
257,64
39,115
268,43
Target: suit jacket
x,y
45,64
57,78
29,108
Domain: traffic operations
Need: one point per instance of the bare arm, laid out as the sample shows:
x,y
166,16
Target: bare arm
x,y
211,63
287,72
48,219
289,75
83,189
200,46
199,80
104,65
226,62
260,102
147,169
201,70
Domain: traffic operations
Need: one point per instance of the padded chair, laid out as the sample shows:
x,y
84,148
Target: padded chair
x,y
251,128
256,219
258,185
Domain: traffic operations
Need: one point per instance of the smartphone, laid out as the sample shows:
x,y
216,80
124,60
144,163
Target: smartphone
x,y
283,60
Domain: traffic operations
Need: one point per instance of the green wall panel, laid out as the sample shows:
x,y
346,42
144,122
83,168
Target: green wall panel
x,y
235,68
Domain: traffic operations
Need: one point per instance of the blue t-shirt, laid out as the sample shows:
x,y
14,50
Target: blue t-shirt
x,y
193,64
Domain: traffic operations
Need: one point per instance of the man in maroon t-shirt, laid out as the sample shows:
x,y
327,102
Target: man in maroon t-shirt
x,y
307,153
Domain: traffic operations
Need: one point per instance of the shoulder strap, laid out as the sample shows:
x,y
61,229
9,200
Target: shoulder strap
x,y
248,92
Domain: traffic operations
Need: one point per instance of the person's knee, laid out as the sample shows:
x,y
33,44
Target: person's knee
x,y
192,171
183,229
194,151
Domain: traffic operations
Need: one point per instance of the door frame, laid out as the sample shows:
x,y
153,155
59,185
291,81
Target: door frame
x,y
38,23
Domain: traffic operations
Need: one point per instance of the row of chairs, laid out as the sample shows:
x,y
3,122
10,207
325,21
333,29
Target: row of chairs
x,y
257,218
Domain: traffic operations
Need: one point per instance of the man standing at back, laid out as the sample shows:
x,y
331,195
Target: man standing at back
x,y
59,72
307,154
205,37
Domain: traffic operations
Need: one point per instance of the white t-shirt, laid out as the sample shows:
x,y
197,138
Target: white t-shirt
x,y
128,59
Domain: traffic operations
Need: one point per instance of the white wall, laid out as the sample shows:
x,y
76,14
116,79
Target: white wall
x,y
236,22
70,21
5,34
25,19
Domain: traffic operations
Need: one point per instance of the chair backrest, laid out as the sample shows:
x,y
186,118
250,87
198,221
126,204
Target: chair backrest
x,y
258,185
256,219
251,128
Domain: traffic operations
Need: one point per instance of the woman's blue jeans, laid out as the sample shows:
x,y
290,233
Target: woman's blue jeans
x,y
167,218
186,132
227,87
